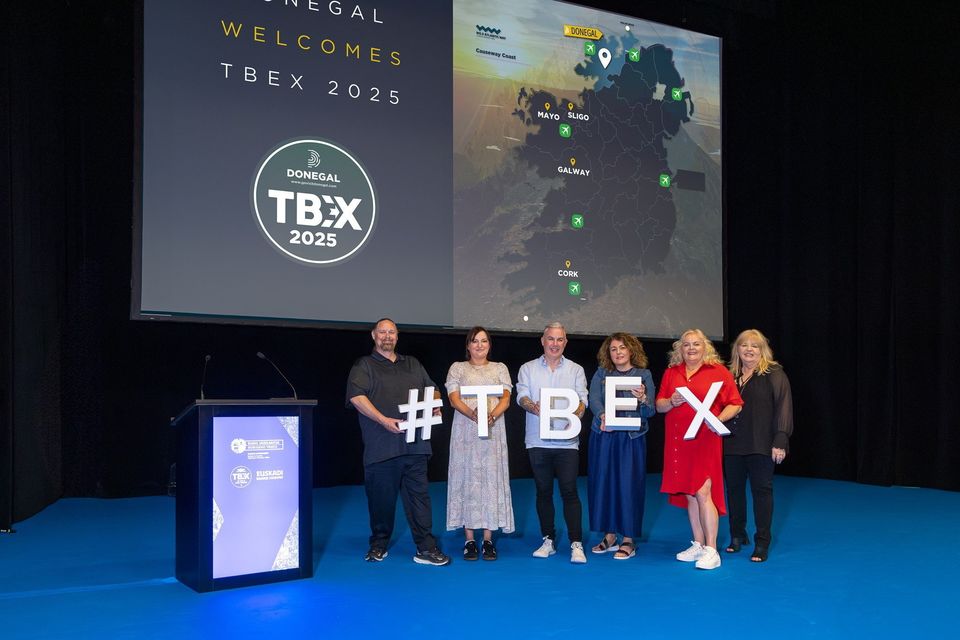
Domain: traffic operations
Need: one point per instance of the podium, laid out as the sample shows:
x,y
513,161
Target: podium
x,y
244,492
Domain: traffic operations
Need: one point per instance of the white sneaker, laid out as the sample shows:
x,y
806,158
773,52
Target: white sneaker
x,y
692,554
576,553
546,549
709,559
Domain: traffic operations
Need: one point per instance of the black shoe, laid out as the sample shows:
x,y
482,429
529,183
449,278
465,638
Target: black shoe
x,y
433,556
489,551
470,550
736,543
375,554
759,553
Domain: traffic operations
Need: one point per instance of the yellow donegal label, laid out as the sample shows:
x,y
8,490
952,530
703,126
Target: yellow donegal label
x,y
590,33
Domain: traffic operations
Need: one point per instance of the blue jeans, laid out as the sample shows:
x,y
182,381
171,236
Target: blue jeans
x,y
564,465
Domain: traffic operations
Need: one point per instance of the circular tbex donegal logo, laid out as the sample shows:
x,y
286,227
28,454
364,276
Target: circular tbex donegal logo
x,y
314,201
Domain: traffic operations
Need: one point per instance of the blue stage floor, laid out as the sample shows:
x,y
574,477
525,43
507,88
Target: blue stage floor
x,y
848,560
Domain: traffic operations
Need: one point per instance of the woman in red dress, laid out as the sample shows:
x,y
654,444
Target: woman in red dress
x,y
693,469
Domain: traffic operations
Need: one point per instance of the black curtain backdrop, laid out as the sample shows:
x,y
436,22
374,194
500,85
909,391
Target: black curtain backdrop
x,y
6,299
841,142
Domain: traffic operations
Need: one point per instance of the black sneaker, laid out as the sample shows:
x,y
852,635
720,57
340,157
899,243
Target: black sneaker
x,y
375,554
470,550
489,551
433,556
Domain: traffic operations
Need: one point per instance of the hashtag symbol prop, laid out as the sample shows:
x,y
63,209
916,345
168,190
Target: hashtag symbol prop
x,y
426,418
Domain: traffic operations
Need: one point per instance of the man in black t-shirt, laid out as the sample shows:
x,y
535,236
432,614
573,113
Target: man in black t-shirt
x,y
377,385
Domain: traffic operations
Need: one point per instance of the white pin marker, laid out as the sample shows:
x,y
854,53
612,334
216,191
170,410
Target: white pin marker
x,y
604,55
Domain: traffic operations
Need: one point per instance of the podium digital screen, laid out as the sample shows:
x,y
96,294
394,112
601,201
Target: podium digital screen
x,y
256,484
445,162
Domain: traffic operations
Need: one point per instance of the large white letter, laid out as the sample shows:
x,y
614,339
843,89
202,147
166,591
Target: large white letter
x,y
412,423
703,411
612,404
548,413
482,392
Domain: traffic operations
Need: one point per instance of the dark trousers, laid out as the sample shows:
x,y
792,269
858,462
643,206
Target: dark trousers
x,y
736,470
406,476
562,464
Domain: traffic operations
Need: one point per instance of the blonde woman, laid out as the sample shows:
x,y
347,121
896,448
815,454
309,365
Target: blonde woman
x,y
693,469
759,440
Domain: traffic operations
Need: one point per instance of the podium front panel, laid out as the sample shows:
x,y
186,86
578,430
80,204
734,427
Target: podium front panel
x,y
256,494
244,492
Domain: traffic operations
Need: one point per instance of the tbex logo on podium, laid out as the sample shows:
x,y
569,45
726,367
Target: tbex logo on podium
x,y
314,201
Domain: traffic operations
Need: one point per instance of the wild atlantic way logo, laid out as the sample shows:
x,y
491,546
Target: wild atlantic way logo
x,y
314,201
493,33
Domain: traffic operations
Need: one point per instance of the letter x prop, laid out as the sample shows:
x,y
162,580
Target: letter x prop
x,y
427,420
703,411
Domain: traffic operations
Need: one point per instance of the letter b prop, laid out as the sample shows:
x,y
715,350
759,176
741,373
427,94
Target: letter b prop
x,y
549,413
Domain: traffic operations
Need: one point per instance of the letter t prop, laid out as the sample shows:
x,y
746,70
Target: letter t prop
x,y
482,392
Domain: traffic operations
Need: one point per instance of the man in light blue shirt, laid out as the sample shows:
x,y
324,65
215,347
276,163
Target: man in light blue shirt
x,y
551,459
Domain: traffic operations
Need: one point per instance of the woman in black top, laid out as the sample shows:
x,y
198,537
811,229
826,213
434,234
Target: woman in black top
x,y
759,439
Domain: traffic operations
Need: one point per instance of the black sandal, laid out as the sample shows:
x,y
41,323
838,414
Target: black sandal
x,y
628,549
603,546
759,554
736,544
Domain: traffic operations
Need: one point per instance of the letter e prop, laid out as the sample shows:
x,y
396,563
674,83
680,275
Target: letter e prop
x,y
548,413
612,403
482,392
